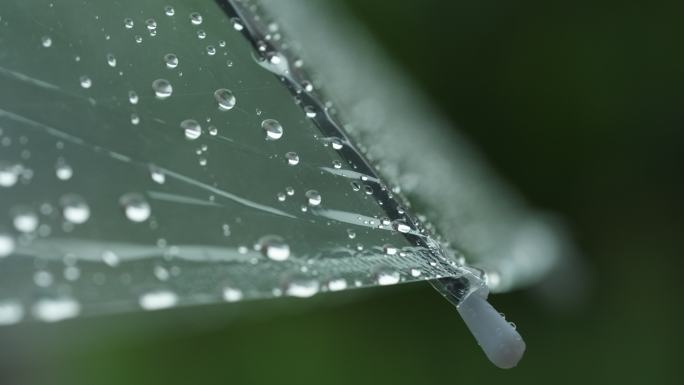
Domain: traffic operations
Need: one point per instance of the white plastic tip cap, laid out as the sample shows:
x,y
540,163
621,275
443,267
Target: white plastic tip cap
x,y
497,337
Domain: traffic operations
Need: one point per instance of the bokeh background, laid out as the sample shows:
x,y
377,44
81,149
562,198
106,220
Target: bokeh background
x,y
580,105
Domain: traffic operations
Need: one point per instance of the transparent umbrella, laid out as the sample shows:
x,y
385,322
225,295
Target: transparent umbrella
x,y
172,153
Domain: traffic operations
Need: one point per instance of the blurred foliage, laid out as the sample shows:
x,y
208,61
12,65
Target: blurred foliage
x,y
579,104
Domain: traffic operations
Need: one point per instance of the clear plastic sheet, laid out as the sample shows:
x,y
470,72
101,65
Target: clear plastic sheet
x,y
165,153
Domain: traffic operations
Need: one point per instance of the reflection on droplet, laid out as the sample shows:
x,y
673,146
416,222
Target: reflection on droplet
x,y
225,98
46,41
157,300
162,88
171,60
273,129
74,208
191,129
274,247
135,207
313,197
292,158
196,18
53,310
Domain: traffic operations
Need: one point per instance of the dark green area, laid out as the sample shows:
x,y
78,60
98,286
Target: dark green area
x,y
581,106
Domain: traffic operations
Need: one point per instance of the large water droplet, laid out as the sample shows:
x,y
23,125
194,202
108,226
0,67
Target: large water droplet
x,y
225,98
274,247
74,208
135,207
162,88
273,129
191,129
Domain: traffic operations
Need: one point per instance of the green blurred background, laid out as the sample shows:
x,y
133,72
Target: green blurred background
x,y
580,105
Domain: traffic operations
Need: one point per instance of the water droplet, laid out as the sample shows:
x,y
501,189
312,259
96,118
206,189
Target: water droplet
x,y
313,197
310,112
138,39
85,81
237,24
302,287
171,60
110,258
229,63
416,273
63,170
162,88
307,86
151,24
211,50
201,34
46,41
222,43
74,208
281,197
191,128
289,190
128,23
169,11
351,234
388,277
336,143
274,247
273,129
25,220
53,310
11,312
292,158
196,18
111,60
132,97
337,284
232,294
157,175
213,131
7,245
401,227
225,98
157,300
135,207
337,164
390,250
9,174
135,119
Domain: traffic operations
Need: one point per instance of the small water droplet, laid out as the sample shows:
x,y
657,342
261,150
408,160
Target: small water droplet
x,y
169,11
401,227
63,170
351,234
292,158
111,60
11,312
225,98
390,250
232,294
337,284
74,208
46,41
313,197
171,60
24,219
273,129
336,143
237,24
132,97
274,247
195,18
157,300
9,174
53,310
110,258
157,175
310,112
135,207
388,277
211,50
302,287
201,34
86,82
191,129
162,88
337,164
128,23
7,245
